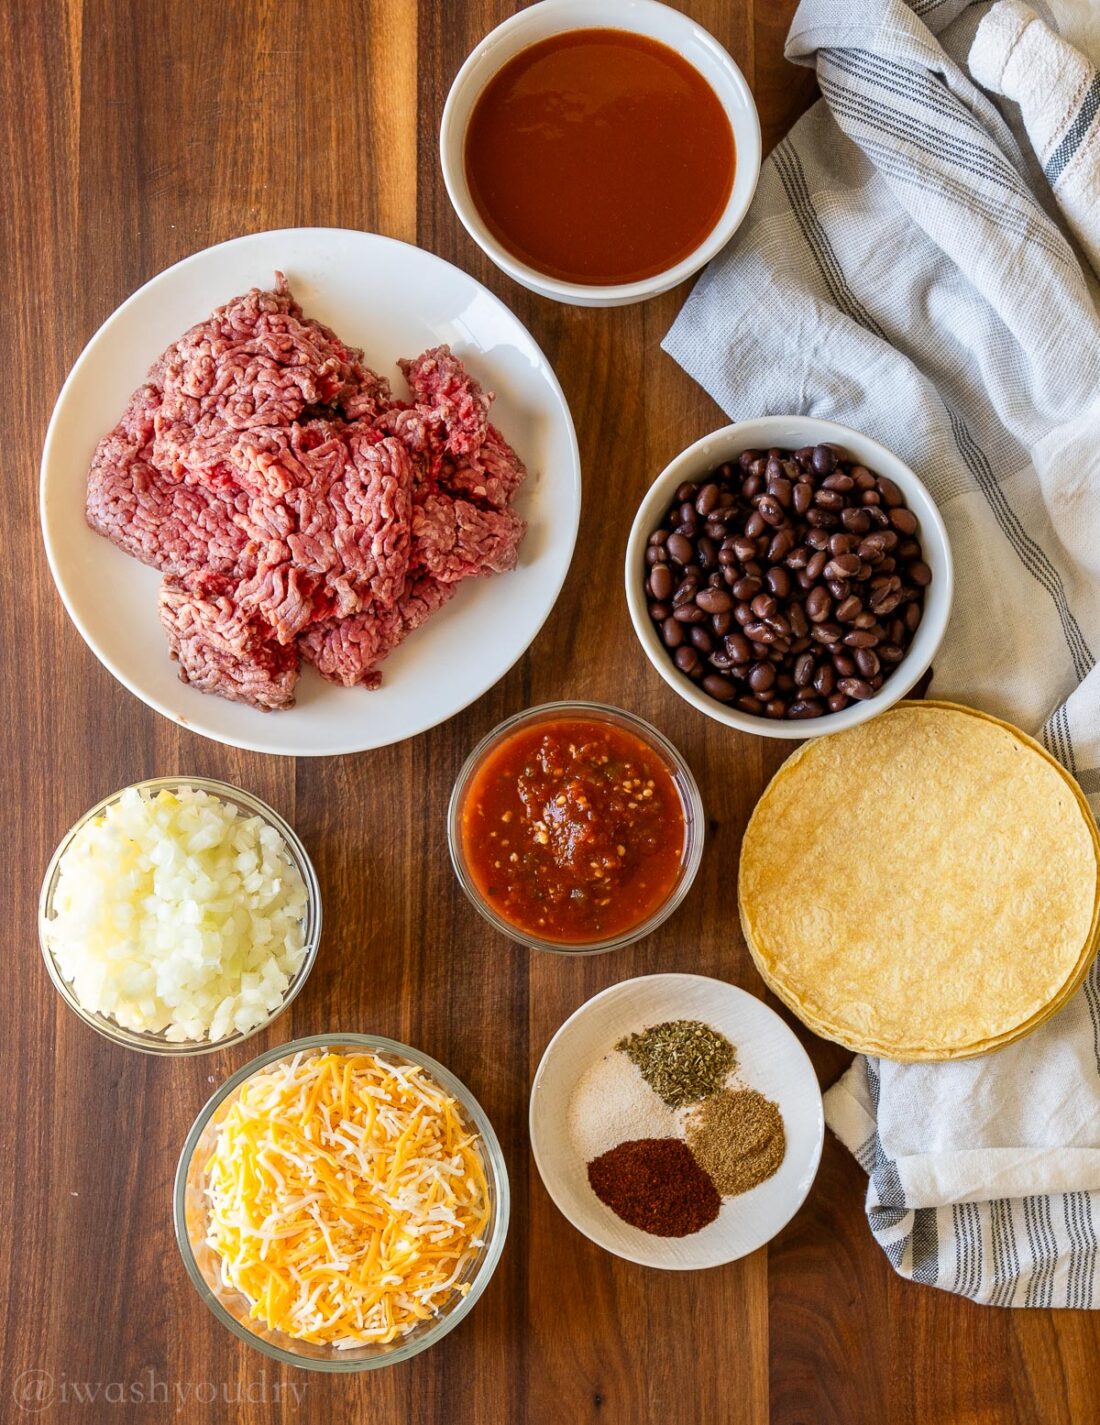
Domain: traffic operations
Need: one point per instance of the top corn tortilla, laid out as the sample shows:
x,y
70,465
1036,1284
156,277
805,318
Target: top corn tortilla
x,y
920,885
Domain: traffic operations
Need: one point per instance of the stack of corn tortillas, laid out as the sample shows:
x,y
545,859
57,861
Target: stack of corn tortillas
x,y
926,886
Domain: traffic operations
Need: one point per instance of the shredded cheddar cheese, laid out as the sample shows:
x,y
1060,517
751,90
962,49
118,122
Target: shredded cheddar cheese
x,y
347,1198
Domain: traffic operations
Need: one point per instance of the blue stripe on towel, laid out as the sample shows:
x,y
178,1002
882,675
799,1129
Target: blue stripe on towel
x,y
1075,134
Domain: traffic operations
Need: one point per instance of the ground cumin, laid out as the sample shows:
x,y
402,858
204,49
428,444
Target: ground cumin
x,y
737,1138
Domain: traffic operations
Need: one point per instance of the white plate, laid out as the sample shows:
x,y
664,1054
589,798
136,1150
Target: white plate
x,y
769,1058
393,300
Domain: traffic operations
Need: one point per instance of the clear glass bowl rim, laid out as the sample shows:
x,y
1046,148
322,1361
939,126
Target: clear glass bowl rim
x,y
153,1044
690,796
497,1175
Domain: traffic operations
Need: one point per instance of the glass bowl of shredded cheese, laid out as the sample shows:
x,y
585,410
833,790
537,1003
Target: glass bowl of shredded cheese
x,y
341,1202
179,915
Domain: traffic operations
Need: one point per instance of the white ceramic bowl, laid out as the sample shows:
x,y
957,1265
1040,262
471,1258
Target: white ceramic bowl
x,y
769,1058
644,17
393,300
792,432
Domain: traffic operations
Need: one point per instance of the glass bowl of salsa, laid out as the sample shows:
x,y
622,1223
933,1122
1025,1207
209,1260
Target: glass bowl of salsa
x,y
575,827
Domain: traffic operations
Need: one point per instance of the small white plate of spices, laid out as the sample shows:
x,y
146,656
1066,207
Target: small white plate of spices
x,y
676,1121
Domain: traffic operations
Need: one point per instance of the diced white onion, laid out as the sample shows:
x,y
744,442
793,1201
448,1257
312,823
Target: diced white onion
x,y
178,913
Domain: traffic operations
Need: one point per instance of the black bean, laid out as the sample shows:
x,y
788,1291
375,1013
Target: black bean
x,y
738,647
843,566
724,689
714,601
818,604
815,566
776,569
770,510
660,581
707,498
824,679
761,677
919,573
778,581
780,490
680,549
829,499
707,552
848,609
903,520
824,459
867,661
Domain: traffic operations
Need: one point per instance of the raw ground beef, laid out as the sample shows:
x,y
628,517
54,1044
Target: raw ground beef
x,y
348,650
219,649
295,507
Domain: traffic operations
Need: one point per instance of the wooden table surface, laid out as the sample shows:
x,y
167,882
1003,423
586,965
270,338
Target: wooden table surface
x,y
135,132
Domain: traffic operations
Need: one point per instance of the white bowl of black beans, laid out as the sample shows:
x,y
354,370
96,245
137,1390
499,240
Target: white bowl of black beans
x,y
789,577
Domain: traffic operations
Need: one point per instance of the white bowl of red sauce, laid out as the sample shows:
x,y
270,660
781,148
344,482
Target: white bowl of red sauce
x,y
575,827
600,151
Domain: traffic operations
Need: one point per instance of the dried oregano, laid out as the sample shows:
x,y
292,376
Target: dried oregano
x,y
682,1060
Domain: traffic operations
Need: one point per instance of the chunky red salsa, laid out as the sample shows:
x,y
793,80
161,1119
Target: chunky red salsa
x,y
573,830
599,156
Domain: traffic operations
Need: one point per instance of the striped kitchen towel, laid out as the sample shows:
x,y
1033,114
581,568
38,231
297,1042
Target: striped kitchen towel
x,y
904,270
1058,91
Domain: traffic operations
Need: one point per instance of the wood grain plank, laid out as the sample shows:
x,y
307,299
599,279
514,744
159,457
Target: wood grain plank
x,y
131,135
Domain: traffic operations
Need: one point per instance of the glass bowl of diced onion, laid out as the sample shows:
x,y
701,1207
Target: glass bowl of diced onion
x,y
93,898
212,1215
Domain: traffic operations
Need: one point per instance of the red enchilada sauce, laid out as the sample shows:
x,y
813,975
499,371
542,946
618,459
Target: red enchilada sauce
x,y
599,157
573,830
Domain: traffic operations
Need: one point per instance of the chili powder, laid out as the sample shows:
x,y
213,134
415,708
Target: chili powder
x,y
655,1184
